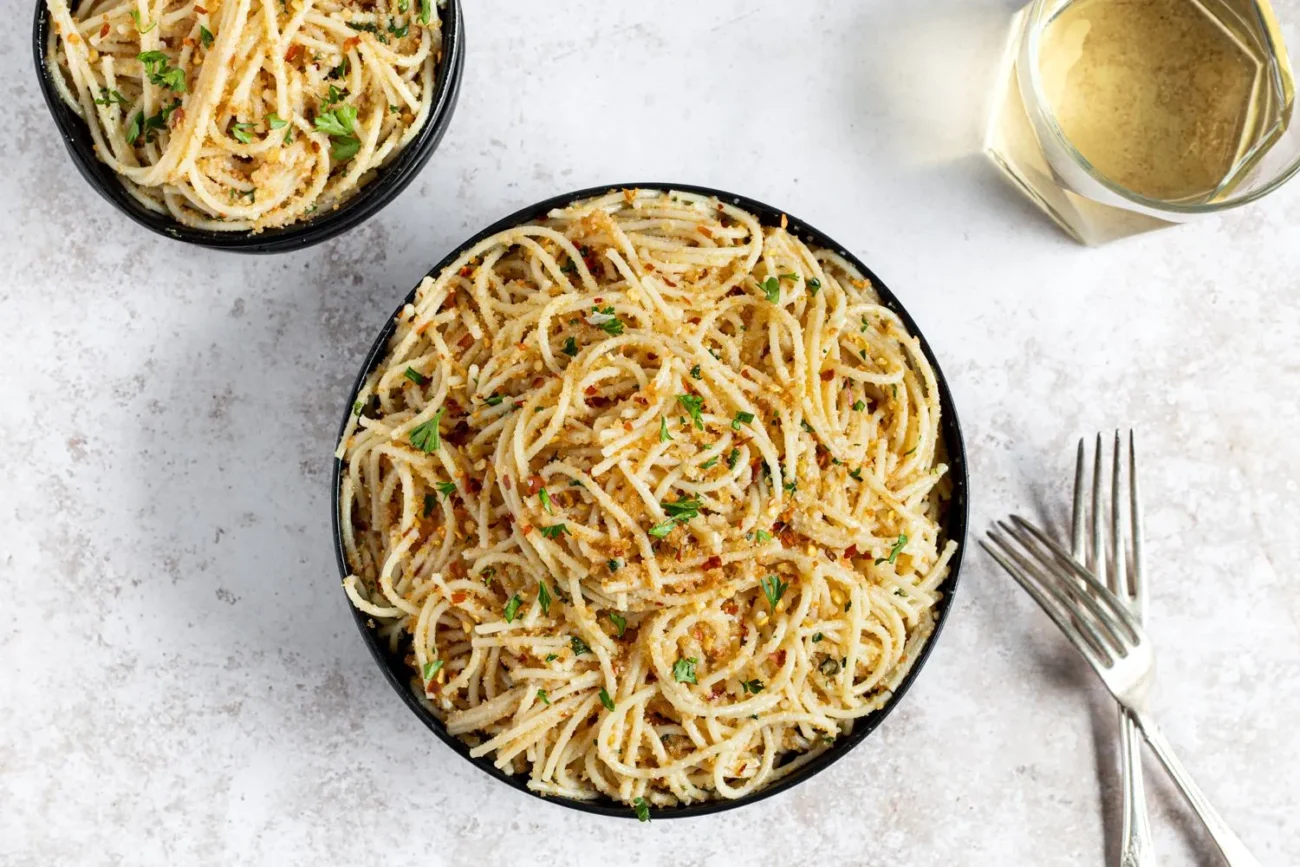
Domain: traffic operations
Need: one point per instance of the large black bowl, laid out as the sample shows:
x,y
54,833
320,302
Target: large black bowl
x,y
396,669
368,201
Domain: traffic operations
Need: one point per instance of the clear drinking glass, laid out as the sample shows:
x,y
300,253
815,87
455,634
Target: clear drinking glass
x,y
1121,116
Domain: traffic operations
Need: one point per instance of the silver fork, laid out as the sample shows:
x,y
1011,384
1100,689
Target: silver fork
x,y
1101,628
1136,849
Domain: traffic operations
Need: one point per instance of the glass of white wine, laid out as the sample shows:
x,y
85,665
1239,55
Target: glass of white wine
x,y
1121,116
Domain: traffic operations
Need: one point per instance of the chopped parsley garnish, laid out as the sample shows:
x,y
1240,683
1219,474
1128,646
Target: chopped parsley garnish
x,y
368,27
693,403
661,530
752,687
709,463
684,670
339,125
551,657
682,510
429,502
446,488
865,325
613,565
762,536
642,809
909,451
108,96
431,668
792,277
695,372
135,16
741,418
543,697
546,501
512,608
415,376
733,458
856,474
544,598
205,36
772,289
487,575
619,621
149,126
605,699
605,319
893,389
858,405
817,637
158,70
554,531
339,71
803,423
664,436
357,407
574,483
274,121
814,285
426,11
773,588
790,486
425,436
579,646
570,347
894,551
493,399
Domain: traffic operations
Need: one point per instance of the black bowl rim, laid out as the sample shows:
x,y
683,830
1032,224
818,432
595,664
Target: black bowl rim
x,y
958,510
370,200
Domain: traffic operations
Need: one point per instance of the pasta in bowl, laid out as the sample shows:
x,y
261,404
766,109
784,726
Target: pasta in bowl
x,y
652,500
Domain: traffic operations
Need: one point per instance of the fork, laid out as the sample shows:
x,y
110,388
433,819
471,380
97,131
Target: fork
x,y
1101,628
1136,849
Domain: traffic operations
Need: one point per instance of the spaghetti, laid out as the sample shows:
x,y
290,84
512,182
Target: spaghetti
x,y
238,115
651,498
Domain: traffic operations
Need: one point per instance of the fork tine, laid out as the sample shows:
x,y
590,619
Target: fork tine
x,y
1098,563
1050,607
1119,612
1117,582
1085,609
1137,586
1076,520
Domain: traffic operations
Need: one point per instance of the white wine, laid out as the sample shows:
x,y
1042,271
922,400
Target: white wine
x,y
1174,101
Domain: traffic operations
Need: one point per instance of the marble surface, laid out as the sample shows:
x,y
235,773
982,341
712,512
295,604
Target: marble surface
x,y
181,679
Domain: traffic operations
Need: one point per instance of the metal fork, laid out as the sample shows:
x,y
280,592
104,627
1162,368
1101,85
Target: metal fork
x,y
1101,628
1136,849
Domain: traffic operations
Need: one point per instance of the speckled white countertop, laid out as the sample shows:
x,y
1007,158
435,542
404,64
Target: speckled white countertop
x,y
181,682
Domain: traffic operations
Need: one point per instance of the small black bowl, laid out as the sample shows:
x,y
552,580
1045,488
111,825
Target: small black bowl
x,y
367,202
397,671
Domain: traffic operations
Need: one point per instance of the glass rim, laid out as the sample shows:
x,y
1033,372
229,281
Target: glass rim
x,y
1042,107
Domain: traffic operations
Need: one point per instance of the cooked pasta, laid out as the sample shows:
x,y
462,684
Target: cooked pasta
x,y
238,115
651,497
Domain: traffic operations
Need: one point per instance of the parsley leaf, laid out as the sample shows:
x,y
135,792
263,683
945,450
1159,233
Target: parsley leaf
x,y
493,399
762,536
894,551
158,70
429,502
570,347
431,668
398,32
605,319
241,132
733,458
664,436
205,36
426,11
605,699
709,463
415,376
544,598
135,16
741,418
274,121
773,588
684,670
543,697
858,405
425,436
693,404
619,621
642,809
753,687
695,372
108,96
772,289
579,646
817,637
682,510
551,657
546,501
613,565
856,474
512,608
661,530
446,488
554,531
815,285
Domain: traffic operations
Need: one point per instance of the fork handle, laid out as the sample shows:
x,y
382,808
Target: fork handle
x,y
1230,846
1136,849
